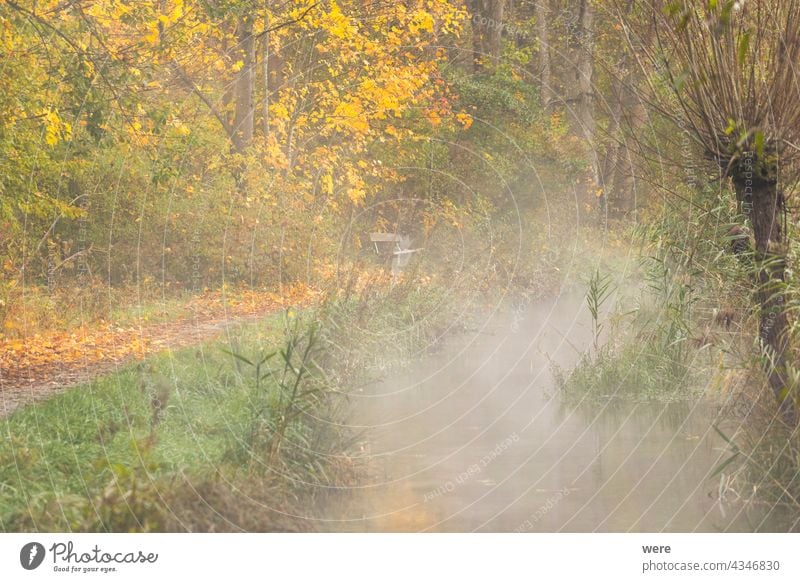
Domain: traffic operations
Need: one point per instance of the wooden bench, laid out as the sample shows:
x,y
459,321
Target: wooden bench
x,y
395,246
386,243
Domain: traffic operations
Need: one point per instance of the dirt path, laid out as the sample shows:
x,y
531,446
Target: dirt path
x,y
36,367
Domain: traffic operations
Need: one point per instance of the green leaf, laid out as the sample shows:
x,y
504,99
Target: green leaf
x,y
267,357
759,144
744,46
673,8
680,80
720,433
725,463
731,127
725,15
238,357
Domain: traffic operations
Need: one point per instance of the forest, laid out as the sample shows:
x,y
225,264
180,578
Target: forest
x,y
399,265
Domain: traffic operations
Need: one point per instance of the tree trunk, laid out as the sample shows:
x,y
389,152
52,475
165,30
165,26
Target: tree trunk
x,y
265,107
586,71
487,31
494,41
542,14
608,169
478,20
227,90
763,201
245,87
585,98
276,70
629,117
634,117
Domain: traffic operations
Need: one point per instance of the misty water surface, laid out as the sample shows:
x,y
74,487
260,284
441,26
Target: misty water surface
x,y
476,437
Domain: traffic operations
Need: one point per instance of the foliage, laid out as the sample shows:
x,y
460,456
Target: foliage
x,y
117,119
654,362
599,291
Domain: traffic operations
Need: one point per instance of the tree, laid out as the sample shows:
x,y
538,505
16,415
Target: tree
x,y
626,115
244,111
575,64
487,17
585,69
584,100
542,16
731,84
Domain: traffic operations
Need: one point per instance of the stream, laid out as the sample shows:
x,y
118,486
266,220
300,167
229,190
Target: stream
x,y
475,437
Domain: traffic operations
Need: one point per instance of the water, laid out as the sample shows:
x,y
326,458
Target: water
x,y
476,438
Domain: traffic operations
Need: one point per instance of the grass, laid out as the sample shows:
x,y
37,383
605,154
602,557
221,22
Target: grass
x,y
633,372
663,340
646,352
121,452
763,455
239,433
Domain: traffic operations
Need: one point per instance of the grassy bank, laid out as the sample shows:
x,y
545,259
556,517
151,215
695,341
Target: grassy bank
x,y
245,431
128,451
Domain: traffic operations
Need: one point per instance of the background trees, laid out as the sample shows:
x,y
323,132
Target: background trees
x,y
131,130
124,119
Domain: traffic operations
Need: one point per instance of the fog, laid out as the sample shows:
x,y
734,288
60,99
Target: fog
x,y
476,437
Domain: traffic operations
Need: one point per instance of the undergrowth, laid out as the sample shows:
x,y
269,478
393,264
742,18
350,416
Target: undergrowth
x,y
642,348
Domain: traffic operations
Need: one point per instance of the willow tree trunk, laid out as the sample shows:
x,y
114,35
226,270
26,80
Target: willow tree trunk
x,y
761,198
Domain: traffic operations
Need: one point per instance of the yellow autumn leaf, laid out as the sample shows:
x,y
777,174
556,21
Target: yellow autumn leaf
x,y
96,10
153,36
182,129
424,21
55,128
339,24
350,114
434,118
356,195
464,119
327,184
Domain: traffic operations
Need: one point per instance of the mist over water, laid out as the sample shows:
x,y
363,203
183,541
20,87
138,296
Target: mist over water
x,y
476,437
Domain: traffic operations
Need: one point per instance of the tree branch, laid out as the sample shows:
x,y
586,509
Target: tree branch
x,y
288,22
202,96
